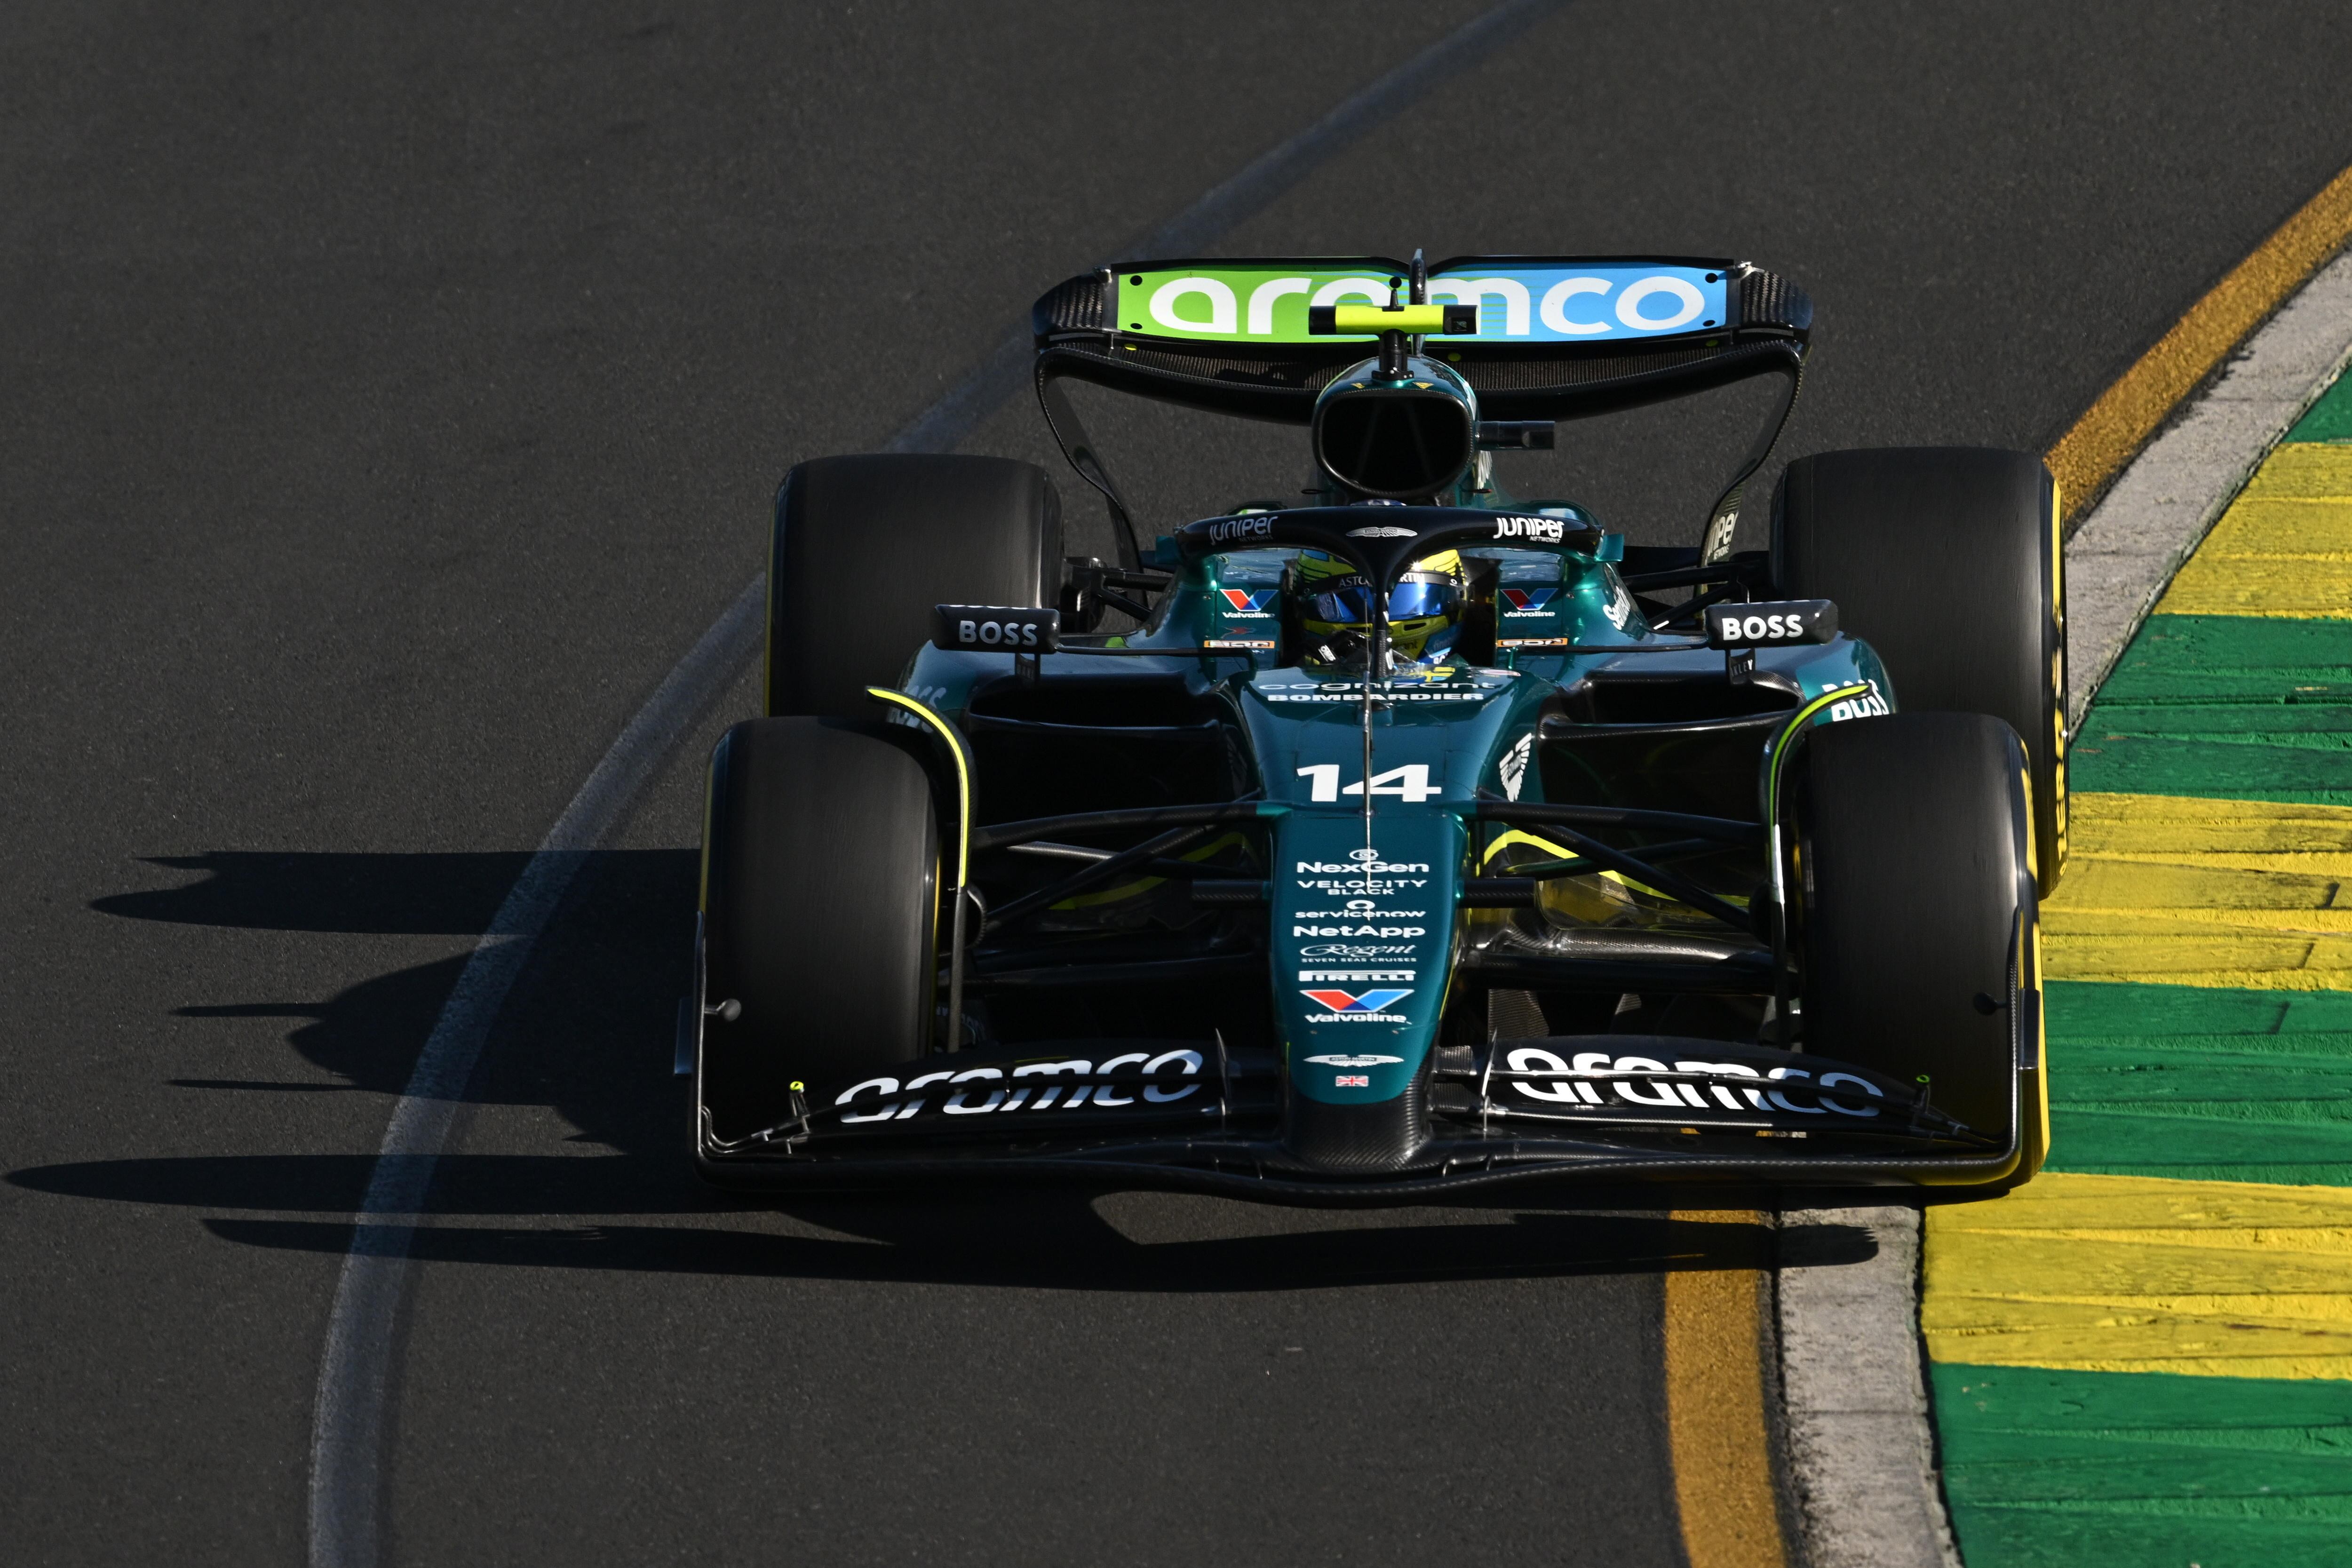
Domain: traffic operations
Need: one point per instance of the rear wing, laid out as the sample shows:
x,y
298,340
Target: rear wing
x,y
1557,338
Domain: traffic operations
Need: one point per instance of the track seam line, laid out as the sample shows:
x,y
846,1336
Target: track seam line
x,y
355,1363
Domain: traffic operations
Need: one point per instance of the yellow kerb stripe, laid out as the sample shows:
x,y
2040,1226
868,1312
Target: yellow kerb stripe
x,y
1714,1409
2144,1274
2284,547
2128,413
2178,890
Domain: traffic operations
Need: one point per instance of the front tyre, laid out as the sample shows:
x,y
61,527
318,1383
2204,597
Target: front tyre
x,y
1917,914
821,857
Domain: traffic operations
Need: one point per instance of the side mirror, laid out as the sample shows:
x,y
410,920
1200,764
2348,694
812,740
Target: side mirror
x,y
1517,435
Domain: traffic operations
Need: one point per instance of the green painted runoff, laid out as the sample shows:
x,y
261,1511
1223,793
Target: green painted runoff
x,y
2237,660
2068,1470
2330,419
2231,707
2200,1084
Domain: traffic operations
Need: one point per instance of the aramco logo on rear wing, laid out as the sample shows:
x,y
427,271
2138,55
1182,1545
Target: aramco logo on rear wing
x,y
1518,300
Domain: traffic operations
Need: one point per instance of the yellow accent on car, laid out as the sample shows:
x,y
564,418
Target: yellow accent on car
x,y
1797,721
1594,897
1502,841
948,733
2037,1153
2057,678
1145,884
1382,319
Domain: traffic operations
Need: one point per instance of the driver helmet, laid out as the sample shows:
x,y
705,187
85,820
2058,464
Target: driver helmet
x,y
1425,607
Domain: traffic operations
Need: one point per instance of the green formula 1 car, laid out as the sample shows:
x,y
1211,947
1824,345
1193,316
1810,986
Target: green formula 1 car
x,y
1414,839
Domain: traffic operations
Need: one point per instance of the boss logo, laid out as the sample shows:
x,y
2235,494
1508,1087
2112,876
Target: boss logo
x,y
1870,705
1010,629
1787,624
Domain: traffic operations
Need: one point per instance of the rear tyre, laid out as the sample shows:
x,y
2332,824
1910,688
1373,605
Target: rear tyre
x,y
863,548
1917,912
821,854
1947,560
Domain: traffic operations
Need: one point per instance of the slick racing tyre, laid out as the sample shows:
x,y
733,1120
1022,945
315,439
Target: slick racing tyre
x,y
1947,560
820,868
865,546
1916,913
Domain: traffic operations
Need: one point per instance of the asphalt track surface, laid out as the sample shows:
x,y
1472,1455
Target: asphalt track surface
x,y
389,397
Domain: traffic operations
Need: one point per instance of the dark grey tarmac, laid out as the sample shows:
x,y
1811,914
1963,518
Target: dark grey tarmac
x,y
390,395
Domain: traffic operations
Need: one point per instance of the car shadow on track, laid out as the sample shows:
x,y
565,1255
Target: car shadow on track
x,y
588,1033
634,908
1033,1243
600,992
451,894
424,894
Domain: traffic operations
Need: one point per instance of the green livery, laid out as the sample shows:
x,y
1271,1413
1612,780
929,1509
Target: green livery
x,y
1415,837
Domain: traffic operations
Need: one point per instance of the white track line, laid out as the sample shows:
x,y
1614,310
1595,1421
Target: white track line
x,y
1862,1445
356,1363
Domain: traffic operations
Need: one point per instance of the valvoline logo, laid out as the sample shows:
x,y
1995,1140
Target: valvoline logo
x,y
1529,600
1361,1002
1249,602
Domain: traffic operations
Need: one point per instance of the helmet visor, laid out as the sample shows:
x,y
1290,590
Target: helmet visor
x,y
1419,594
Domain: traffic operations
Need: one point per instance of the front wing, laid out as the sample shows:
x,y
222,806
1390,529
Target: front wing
x,y
1583,1110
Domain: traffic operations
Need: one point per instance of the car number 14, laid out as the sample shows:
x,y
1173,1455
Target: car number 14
x,y
1410,782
